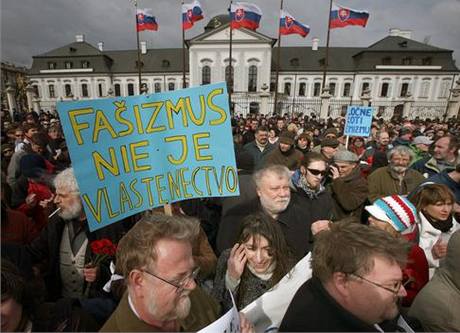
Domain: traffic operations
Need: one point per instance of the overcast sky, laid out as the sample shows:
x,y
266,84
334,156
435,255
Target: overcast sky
x,y
32,27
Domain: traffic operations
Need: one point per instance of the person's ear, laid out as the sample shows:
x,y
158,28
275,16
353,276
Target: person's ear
x,y
136,281
341,283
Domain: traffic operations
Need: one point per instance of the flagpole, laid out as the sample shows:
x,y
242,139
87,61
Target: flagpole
x,y
326,60
138,52
230,87
278,57
183,51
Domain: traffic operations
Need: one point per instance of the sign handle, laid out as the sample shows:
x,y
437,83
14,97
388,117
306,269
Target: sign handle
x,y
346,142
168,209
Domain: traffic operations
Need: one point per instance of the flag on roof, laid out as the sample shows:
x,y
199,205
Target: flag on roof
x,y
145,20
289,25
191,13
342,17
245,15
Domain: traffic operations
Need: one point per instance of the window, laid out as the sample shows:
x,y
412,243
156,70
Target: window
x,y
137,64
171,86
51,65
332,88
386,61
252,78
206,75
316,89
287,88
68,90
346,89
157,87
117,89
272,86
302,88
404,89
424,91
68,65
36,91
294,62
229,73
130,89
51,91
85,64
444,91
84,90
407,61
165,63
99,89
384,89
365,86
427,61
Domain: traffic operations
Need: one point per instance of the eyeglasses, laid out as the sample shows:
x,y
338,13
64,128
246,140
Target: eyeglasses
x,y
394,289
315,172
180,286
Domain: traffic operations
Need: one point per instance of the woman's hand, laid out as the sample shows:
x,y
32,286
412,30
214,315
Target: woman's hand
x,y
320,225
236,261
90,273
439,249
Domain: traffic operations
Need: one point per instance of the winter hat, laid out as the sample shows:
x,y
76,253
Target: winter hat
x,y
7,146
32,165
287,137
245,161
346,156
329,142
397,211
330,130
422,140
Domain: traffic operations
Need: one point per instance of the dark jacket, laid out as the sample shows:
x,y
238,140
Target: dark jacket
x,y
46,248
295,222
291,159
258,155
313,310
349,194
429,166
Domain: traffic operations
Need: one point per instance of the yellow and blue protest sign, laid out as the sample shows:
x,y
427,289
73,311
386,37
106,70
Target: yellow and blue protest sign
x,y
358,120
134,153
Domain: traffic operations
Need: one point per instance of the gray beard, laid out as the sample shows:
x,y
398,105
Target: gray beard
x,y
72,212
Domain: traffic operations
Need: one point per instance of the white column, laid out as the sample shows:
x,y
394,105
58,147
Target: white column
x,y
325,97
11,101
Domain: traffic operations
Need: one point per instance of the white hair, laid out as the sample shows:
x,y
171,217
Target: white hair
x,y
66,179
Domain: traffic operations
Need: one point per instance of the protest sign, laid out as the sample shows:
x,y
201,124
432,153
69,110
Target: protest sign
x,y
134,153
228,323
267,312
358,121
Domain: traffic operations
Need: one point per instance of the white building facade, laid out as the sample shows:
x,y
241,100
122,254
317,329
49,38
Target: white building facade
x,y
395,74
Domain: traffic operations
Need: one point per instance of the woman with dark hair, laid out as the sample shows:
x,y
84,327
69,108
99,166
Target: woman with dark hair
x,y
434,203
357,146
256,263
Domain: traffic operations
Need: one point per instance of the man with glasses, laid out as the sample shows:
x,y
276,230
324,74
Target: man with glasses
x,y
355,285
156,261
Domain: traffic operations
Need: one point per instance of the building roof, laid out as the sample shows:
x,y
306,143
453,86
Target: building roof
x,y
401,44
73,50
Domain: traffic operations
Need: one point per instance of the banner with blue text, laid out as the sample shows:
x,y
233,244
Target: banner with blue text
x,y
134,153
358,120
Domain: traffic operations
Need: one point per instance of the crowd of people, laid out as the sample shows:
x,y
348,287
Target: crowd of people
x,y
379,215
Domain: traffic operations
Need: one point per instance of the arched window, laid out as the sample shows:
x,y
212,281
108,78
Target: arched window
x,y
68,90
206,75
346,89
332,88
51,91
316,89
157,87
384,90
229,76
425,88
252,78
117,89
171,86
84,90
444,91
365,86
287,88
302,88
404,89
130,89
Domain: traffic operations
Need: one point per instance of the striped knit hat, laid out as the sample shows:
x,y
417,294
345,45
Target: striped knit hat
x,y
396,210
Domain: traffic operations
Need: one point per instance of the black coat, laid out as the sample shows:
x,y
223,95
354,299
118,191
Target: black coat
x,y
45,248
313,310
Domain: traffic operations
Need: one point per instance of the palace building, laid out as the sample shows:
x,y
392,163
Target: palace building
x,y
388,74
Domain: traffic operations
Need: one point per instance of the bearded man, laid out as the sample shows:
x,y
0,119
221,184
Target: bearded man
x,y
64,244
396,178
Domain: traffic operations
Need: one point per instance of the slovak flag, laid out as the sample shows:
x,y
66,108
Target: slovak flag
x,y
289,25
145,20
245,15
342,16
191,13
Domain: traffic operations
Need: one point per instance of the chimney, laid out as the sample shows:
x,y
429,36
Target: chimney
x,y
100,46
314,45
79,38
143,47
401,33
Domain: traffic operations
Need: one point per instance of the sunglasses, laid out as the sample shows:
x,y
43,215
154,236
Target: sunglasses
x,y
315,172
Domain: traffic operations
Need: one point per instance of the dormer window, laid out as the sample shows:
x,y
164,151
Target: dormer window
x,y
294,62
403,44
386,61
85,64
427,61
51,65
407,61
165,63
137,64
68,65
72,49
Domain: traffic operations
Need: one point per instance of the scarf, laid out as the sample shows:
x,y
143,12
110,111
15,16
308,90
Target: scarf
x,y
311,193
443,226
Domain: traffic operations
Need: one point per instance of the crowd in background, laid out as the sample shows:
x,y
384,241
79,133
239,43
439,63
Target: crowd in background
x,y
303,186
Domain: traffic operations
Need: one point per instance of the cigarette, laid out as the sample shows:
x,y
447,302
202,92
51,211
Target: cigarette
x,y
53,213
